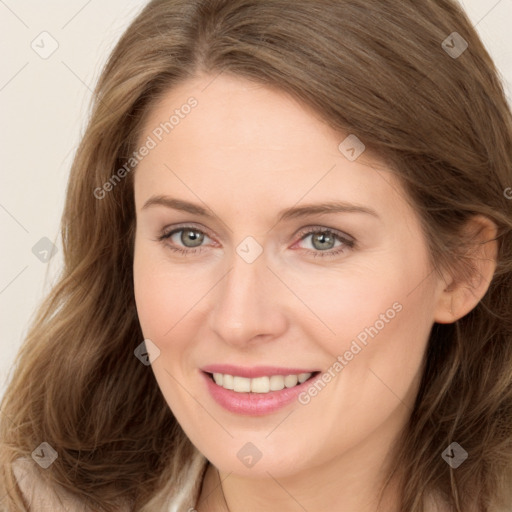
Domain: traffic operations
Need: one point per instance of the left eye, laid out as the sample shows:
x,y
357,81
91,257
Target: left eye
x,y
322,236
326,236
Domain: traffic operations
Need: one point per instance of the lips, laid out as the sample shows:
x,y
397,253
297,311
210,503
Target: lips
x,y
255,403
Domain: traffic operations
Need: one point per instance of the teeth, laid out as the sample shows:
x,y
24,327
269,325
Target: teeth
x,y
259,384
303,377
290,381
241,384
276,382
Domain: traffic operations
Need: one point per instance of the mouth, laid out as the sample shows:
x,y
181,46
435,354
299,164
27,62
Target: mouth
x,y
258,391
260,385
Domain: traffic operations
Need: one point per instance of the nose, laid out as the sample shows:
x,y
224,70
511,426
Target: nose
x,y
249,303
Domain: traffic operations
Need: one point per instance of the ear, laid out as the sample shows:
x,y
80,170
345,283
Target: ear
x,y
459,296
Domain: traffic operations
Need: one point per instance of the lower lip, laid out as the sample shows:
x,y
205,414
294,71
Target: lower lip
x,y
254,404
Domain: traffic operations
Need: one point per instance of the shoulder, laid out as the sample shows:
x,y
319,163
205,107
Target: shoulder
x,y
39,496
185,495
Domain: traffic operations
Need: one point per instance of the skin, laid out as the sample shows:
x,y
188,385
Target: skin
x,y
246,152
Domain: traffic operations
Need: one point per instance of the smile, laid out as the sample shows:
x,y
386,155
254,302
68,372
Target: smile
x,y
259,384
258,391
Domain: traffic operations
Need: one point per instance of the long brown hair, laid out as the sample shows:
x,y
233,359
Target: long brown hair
x,y
375,68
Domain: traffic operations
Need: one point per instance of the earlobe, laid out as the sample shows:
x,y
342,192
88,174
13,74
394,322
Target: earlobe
x,y
444,311
458,298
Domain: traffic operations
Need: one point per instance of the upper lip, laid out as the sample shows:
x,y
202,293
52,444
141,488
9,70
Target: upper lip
x,y
254,371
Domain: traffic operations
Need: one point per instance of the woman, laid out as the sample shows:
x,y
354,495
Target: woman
x,y
287,279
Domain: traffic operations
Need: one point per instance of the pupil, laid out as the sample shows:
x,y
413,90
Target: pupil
x,y
321,237
194,236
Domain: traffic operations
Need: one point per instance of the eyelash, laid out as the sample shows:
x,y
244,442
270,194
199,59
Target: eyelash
x,y
348,244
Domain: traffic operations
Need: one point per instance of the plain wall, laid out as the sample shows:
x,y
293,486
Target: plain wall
x,y
44,102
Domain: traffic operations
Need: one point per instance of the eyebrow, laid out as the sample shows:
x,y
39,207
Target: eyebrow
x,y
293,212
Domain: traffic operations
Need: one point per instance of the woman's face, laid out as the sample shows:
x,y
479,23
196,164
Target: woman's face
x,y
248,289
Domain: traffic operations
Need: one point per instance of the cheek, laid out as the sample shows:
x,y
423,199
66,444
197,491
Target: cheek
x,y
378,317
354,303
162,301
163,292
151,297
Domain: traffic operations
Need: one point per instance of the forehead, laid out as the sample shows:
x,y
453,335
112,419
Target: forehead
x,y
259,140
243,116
